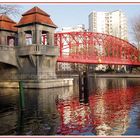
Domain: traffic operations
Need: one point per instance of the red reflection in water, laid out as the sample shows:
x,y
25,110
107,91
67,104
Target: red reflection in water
x,y
107,113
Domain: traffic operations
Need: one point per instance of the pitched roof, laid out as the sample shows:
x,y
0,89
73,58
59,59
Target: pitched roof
x,y
7,24
36,15
35,10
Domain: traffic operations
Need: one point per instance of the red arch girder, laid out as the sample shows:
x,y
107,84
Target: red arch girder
x,y
95,48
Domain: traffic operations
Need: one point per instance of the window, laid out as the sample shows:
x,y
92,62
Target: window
x,y
10,41
28,36
45,38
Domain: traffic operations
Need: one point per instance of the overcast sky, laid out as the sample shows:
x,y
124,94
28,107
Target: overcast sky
x,y
65,15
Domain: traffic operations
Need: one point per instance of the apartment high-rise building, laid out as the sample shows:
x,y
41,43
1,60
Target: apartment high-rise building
x,y
77,28
112,23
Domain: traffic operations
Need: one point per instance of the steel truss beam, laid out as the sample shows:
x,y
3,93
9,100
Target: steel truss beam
x,y
95,48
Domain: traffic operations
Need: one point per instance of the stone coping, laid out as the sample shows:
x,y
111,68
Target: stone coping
x,y
38,83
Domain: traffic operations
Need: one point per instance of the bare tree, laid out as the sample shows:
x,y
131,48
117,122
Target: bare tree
x,y
11,10
136,30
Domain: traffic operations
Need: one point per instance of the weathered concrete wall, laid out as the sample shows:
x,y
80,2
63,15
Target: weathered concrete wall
x,y
36,62
8,72
36,84
8,56
48,83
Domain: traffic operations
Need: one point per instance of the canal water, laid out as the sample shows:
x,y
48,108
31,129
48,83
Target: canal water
x,y
112,107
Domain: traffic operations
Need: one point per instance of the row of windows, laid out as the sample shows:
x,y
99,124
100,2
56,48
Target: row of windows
x,y
44,39
13,41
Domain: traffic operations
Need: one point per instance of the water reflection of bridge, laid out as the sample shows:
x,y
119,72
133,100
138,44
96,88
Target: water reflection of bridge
x,y
58,110
106,113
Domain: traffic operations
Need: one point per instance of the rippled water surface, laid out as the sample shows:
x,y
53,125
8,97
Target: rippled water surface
x,y
112,107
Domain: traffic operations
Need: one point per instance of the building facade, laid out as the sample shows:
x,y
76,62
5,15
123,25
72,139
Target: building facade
x,y
112,23
77,28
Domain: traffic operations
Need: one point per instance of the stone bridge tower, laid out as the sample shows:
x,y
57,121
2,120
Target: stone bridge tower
x,y
36,54
8,41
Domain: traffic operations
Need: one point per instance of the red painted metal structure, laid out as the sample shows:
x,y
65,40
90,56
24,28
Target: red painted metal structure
x,y
95,48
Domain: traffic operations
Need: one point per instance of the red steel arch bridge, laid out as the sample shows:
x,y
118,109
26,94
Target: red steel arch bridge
x,y
95,48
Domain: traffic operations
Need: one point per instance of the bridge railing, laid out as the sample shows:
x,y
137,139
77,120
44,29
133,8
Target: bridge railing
x,y
6,48
37,50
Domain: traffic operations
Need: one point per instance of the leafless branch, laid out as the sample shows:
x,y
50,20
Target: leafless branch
x,y
136,30
11,10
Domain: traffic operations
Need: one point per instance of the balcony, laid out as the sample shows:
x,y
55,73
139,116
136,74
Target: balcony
x,y
6,48
37,50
